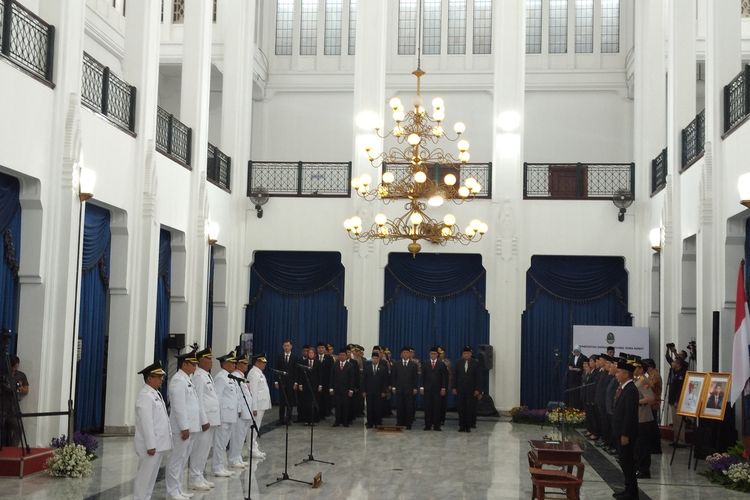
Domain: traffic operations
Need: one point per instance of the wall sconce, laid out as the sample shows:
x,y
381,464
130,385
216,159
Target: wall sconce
x,y
212,229
86,183
743,186
654,237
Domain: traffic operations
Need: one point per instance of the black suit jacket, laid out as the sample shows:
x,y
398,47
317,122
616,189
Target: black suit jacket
x,y
377,382
434,379
325,370
714,402
574,377
625,416
404,378
313,374
290,368
342,381
466,381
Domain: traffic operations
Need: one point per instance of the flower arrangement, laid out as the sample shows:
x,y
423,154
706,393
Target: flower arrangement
x,y
729,469
86,440
522,414
569,416
71,460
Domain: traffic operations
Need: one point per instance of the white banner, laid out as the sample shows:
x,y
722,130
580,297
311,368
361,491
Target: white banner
x,y
596,339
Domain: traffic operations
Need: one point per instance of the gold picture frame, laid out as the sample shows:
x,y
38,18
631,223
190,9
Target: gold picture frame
x,y
692,394
714,403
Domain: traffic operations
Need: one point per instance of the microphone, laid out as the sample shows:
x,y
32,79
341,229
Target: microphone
x,y
304,367
238,379
278,372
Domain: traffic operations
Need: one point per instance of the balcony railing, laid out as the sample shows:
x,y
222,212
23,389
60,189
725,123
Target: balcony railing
x,y
659,172
737,100
577,181
26,39
173,138
105,93
219,168
482,172
303,179
693,140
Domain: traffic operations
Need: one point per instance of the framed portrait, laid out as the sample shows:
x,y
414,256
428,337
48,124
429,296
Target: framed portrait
x,y
717,389
691,396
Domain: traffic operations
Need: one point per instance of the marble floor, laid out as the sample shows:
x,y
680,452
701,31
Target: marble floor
x,y
489,463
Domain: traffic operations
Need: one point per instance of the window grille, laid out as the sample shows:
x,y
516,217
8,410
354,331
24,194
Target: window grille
x,y
558,26
584,26
431,27
308,28
457,26
482,39
352,26
284,27
407,27
610,26
533,26
332,39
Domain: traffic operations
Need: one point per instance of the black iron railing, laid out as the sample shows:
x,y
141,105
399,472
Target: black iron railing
x,y
305,179
737,100
26,39
659,172
173,138
105,93
694,140
482,172
219,168
577,181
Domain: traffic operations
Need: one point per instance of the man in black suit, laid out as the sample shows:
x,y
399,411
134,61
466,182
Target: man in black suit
x,y
374,389
286,361
434,389
466,387
405,384
326,361
342,388
574,377
715,398
309,392
625,427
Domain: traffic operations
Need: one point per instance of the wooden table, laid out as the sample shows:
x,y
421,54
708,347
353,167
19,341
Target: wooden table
x,y
555,453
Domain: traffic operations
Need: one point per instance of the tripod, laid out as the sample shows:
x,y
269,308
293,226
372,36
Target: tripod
x,y
313,409
254,426
10,408
285,474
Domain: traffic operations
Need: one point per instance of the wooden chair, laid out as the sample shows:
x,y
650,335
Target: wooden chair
x,y
542,479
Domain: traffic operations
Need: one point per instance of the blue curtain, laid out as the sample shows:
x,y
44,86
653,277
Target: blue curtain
x,y
93,316
746,398
562,291
162,300
295,295
10,252
434,299
210,300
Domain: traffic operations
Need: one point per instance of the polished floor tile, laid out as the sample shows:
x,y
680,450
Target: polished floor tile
x,y
489,463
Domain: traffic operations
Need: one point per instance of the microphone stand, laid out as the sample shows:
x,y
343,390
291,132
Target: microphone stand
x,y
313,408
561,419
285,474
253,425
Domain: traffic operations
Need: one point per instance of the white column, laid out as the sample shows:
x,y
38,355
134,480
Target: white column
x,y
504,272
194,100
236,114
364,277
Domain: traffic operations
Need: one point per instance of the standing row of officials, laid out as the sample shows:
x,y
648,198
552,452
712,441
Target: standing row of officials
x,y
205,413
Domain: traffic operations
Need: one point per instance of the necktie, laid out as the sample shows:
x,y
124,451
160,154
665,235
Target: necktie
x,y
310,363
404,362
342,365
618,392
466,366
374,369
433,364
286,358
320,358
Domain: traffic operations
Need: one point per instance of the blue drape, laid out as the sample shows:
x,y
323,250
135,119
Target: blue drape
x,y
434,299
10,252
163,286
296,295
93,319
210,300
562,291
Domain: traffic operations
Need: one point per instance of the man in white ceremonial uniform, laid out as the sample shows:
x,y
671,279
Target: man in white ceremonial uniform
x,y
153,436
187,419
261,398
204,388
242,426
228,395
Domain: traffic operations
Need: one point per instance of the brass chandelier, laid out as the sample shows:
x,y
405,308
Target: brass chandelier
x,y
421,172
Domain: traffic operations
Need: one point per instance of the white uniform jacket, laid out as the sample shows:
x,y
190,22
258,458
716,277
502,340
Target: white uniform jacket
x,y
152,430
244,412
204,388
226,390
185,411
259,389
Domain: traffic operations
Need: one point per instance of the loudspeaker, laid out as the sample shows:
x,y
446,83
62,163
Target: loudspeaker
x,y
485,356
176,341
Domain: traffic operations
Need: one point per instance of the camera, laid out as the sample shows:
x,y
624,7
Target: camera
x,y
671,346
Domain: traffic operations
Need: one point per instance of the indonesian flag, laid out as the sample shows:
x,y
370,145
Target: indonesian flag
x,y
740,350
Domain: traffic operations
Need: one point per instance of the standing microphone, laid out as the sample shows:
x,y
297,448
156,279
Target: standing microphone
x,y
278,372
238,379
304,367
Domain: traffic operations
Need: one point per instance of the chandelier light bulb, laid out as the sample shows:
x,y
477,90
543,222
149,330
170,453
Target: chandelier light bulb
x,y
463,191
366,180
435,201
395,103
383,231
438,103
464,156
420,177
418,101
388,177
438,115
399,115
463,145
654,237
367,120
356,183
348,224
475,224
413,139
381,219
483,228
743,186
449,220
470,181
459,127
475,188
356,222
420,110
437,131
449,180
416,218
470,232
446,231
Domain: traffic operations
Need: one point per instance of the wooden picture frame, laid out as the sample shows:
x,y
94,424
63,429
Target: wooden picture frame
x,y
714,403
692,394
